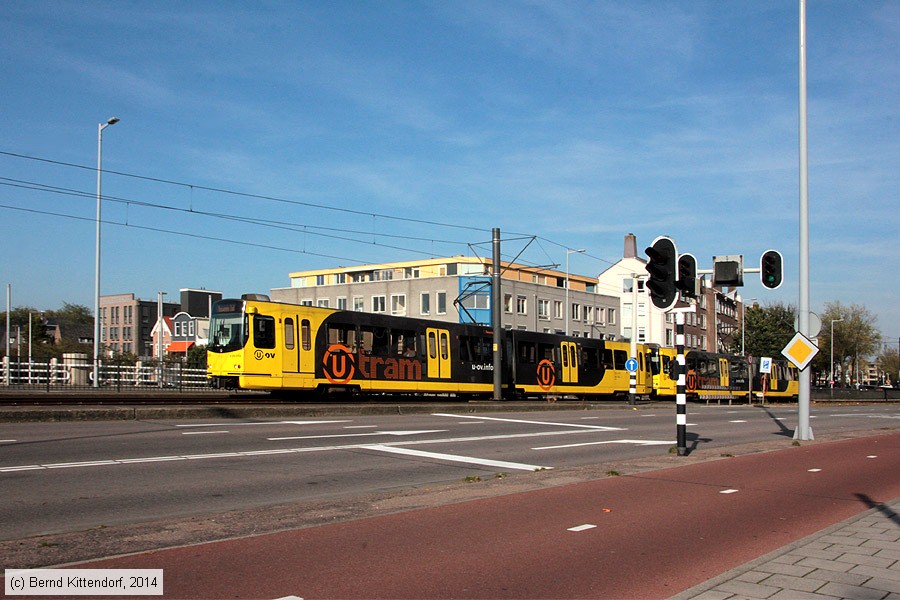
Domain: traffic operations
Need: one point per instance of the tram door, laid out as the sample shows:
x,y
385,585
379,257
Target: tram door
x,y
290,356
569,355
438,353
724,373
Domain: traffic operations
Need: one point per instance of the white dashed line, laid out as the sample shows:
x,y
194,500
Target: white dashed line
x,y
584,527
728,492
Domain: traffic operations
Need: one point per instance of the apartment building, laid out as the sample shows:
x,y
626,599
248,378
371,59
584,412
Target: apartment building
x,y
458,289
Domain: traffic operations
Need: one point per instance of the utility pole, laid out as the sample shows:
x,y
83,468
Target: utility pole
x,y
496,299
803,431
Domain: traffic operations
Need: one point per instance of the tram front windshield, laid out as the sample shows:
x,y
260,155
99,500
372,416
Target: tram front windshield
x,y
228,332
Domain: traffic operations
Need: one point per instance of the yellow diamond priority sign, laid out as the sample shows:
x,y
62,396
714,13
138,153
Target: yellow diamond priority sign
x,y
800,351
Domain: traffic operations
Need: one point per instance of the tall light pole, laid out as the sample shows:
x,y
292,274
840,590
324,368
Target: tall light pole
x,y
831,380
803,431
96,371
567,308
743,323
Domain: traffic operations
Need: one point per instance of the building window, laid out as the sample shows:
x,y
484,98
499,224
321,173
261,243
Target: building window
x,y
558,309
521,305
359,304
576,312
507,303
342,303
627,285
642,334
588,314
543,309
340,277
322,302
320,280
425,303
477,301
442,303
378,304
611,316
398,304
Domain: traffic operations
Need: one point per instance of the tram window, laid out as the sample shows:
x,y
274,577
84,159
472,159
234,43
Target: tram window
x,y
607,358
381,342
590,358
264,331
475,349
547,352
445,346
738,369
306,338
620,357
404,342
341,333
289,333
432,345
527,353
375,340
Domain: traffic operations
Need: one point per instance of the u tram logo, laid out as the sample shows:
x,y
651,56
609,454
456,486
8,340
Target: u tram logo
x,y
338,364
546,374
691,381
259,355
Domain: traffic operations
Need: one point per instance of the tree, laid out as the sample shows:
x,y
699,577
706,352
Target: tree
x,y
72,313
18,324
766,329
889,364
196,358
855,339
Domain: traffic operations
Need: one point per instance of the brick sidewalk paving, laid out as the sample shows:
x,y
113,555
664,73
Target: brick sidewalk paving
x,y
858,559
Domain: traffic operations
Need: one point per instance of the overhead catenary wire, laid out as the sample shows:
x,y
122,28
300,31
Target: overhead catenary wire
x,y
304,228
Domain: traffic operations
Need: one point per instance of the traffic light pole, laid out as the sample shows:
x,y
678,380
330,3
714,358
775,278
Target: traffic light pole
x,y
680,393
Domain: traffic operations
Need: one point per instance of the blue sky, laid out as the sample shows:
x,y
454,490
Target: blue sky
x,y
381,131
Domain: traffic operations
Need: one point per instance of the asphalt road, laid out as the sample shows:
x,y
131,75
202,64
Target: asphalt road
x,y
639,536
65,477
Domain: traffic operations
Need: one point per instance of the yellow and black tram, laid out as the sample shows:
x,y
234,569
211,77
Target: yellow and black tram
x,y
257,344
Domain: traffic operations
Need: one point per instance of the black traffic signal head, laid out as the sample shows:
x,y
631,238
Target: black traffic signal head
x,y
771,269
662,267
687,275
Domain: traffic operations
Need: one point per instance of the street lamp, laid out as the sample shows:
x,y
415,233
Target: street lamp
x,y
96,370
567,308
831,380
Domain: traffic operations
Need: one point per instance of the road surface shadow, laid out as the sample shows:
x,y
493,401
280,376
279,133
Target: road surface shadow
x,y
882,508
783,430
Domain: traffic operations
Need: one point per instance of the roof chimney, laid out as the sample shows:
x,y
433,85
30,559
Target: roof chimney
x,y
630,246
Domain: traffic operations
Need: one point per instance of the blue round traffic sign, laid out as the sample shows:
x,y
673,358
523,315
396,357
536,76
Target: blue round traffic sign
x,y
631,365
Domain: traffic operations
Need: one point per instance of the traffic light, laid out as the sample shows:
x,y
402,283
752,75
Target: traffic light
x,y
728,271
662,268
771,269
687,275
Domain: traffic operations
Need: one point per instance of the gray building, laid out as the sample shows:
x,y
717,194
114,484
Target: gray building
x,y
457,289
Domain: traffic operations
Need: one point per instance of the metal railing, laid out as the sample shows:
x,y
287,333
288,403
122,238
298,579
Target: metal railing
x,y
78,375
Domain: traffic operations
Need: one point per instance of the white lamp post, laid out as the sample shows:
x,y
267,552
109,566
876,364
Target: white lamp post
x,y
567,307
831,380
96,369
